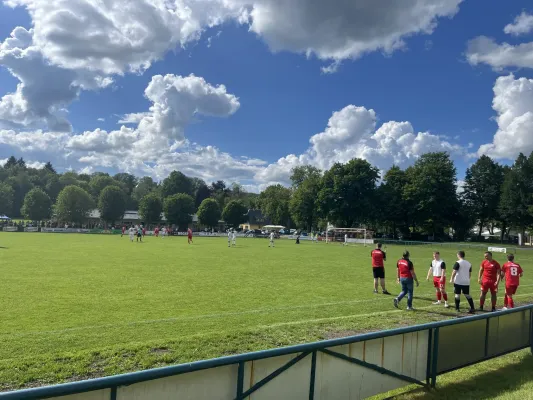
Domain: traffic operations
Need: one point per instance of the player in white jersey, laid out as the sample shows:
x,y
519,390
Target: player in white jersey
x,y
132,233
462,272
345,240
438,270
230,235
234,238
271,244
163,231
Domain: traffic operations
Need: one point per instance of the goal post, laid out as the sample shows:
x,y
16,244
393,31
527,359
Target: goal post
x,y
352,235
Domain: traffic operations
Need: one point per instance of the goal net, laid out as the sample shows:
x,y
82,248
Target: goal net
x,y
349,236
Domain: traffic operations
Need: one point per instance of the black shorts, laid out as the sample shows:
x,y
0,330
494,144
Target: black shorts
x,y
457,289
379,272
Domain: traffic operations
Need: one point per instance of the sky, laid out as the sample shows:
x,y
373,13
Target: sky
x,y
245,90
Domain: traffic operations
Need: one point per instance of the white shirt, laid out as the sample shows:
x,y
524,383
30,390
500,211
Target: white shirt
x,y
272,237
234,235
132,231
345,238
437,267
462,275
229,235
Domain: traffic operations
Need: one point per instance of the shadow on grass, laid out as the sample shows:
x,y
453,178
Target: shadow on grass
x,y
488,385
4,248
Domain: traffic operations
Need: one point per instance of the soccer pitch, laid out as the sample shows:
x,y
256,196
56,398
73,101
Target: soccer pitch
x,y
80,306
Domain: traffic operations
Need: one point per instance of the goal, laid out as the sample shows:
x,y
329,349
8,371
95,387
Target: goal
x,y
353,235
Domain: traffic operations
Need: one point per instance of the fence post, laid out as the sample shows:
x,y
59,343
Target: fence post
x,y
531,329
487,327
240,381
313,374
434,358
430,348
113,395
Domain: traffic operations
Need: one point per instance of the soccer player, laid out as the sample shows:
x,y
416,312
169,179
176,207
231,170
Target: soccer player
x,y
345,239
132,233
123,230
489,279
139,234
378,269
156,231
406,275
438,270
230,235
271,244
234,237
143,230
462,272
512,273
189,236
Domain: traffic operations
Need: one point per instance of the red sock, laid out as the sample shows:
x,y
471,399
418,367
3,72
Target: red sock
x,y
445,296
439,296
511,302
505,301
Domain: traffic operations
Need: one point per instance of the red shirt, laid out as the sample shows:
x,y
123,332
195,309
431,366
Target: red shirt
x,y
378,256
512,273
123,229
189,232
405,267
491,269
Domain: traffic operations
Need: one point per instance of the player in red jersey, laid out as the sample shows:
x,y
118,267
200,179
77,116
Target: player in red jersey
x,y
156,231
123,230
489,279
378,268
189,236
512,273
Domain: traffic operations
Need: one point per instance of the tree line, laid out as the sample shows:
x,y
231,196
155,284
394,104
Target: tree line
x,y
43,194
421,200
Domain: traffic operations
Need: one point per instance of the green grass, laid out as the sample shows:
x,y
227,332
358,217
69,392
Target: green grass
x,y
81,306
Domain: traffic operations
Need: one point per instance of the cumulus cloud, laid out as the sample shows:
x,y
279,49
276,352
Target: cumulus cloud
x,y
485,50
343,29
513,103
522,25
351,133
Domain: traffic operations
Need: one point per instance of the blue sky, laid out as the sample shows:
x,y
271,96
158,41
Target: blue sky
x,y
436,82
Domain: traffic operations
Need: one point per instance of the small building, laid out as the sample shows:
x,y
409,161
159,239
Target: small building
x,y
255,220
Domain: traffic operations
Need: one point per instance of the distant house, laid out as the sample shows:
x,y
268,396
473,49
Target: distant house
x,y
255,220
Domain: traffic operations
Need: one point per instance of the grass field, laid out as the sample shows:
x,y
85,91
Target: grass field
x,y
81,306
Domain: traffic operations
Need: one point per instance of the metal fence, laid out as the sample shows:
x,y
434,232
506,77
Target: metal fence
x,y
354,367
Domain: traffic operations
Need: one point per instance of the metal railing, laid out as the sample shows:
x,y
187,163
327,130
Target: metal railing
x,y
482,337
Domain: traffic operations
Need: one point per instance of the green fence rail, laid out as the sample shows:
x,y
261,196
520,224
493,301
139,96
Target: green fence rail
x,y
435,351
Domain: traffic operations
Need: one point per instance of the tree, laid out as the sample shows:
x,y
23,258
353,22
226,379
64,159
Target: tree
x,y
53,187
128,180
11,162
37,205
432,191
482,190
178,209
99,183
517,195
303,173
150,208
73,204
176,183
274,203
21,163
348,193
393,209
6,199
21,185
234,213
202,193
145,186
209,213
49,167
306,183
112,204
220,193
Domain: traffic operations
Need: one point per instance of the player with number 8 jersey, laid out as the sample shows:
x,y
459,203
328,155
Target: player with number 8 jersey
x,y
512,272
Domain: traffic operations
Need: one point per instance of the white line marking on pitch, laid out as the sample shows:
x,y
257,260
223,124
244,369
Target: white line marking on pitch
x,y
230,314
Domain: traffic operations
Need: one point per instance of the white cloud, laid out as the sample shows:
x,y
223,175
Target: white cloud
x,y
522,25
101,119
351,133
484,50
3,161
513,103
35,164
343,29
133,118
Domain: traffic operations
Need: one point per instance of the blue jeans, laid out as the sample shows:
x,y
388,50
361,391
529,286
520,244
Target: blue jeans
x,y
407,289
